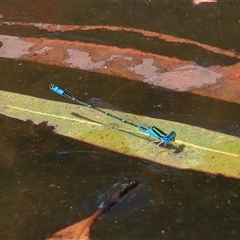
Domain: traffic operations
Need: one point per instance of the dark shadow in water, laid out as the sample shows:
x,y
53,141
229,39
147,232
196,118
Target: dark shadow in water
x,y
46,191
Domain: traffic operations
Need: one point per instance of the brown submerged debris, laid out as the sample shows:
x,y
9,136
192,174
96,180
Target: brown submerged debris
x,y
168,38
172,73
80,230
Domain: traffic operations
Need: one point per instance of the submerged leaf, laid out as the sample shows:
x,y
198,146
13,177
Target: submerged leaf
x,y
80,230
77,231
195,148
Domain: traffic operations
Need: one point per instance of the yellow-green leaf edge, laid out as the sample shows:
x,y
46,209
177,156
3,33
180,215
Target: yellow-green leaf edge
x,y
195,148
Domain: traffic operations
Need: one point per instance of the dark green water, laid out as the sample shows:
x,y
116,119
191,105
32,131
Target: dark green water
x,y
44,191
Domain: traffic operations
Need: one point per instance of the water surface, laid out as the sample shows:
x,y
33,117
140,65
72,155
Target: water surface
x,y
49,182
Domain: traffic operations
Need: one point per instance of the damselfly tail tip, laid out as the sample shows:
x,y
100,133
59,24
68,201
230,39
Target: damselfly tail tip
x,y
51,86
55,88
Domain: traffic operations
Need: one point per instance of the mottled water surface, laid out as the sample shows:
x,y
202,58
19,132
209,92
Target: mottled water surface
x,y
48,181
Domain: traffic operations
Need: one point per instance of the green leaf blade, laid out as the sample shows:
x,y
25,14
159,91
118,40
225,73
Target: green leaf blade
x,y
195,148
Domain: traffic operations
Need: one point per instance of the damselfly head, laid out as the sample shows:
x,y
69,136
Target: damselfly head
x,y
172,135
169,138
